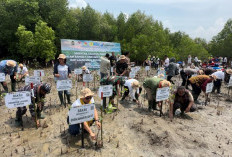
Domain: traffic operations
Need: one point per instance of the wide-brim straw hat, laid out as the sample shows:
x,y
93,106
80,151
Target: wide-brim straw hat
x,y
229,71
213,76
11,63
86,92
21,65
135,84
122,57
62,56
192,67
165,83
84,68
160,75
201,72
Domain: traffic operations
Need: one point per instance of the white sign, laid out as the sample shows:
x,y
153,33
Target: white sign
x,y
229,84
132,74
147,68
106,89
32,79
162,94
137,68
209,87
62,85
18,99
87,77
39,73
2,77
77,71
81,114
98,72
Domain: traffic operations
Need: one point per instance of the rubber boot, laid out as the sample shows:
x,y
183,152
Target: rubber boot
x,y
61,98
154,105
195,97
68,98
18,121
39,115
5,88
13,85
151,105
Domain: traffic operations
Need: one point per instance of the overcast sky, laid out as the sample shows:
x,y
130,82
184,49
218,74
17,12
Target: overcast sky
x,y
198,18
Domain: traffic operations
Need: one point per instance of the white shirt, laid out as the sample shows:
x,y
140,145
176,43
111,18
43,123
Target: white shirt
x,y
132,91
85,71
22,71
219,74
225,59
63,72
77,103
189,60
196,59
166,62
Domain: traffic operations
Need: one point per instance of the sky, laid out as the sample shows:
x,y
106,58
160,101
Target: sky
x,y
198,18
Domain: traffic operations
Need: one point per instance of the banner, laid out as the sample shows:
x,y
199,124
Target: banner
x,y
81,114
84,52
18,99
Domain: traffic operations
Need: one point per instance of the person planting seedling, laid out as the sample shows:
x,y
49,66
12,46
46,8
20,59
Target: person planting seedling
x,y
151,85
40,91
86,97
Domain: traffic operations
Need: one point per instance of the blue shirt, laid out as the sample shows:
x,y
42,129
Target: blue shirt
x,y
7,69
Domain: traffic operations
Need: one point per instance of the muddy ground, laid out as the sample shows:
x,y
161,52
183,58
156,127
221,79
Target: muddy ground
x,y
131,131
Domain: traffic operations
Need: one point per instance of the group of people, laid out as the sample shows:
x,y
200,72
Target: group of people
x,y
116,72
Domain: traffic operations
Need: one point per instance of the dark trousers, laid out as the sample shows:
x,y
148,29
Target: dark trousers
x,y
67,93
217,85
196,91
169,78
13,84
182,107
185,77
22,110
126,93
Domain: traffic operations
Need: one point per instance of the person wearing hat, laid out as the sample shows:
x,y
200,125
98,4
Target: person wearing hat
x,y
184,100
85,70
22,72
62,72
228,74
132,88
218,82
40,91
121,66
151,85
166,61
86,97
199,84
9,67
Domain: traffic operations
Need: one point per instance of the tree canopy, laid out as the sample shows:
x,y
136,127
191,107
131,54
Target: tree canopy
x,y
33,28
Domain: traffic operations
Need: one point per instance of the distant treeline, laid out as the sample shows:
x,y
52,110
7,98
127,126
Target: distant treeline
x,y
32,29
